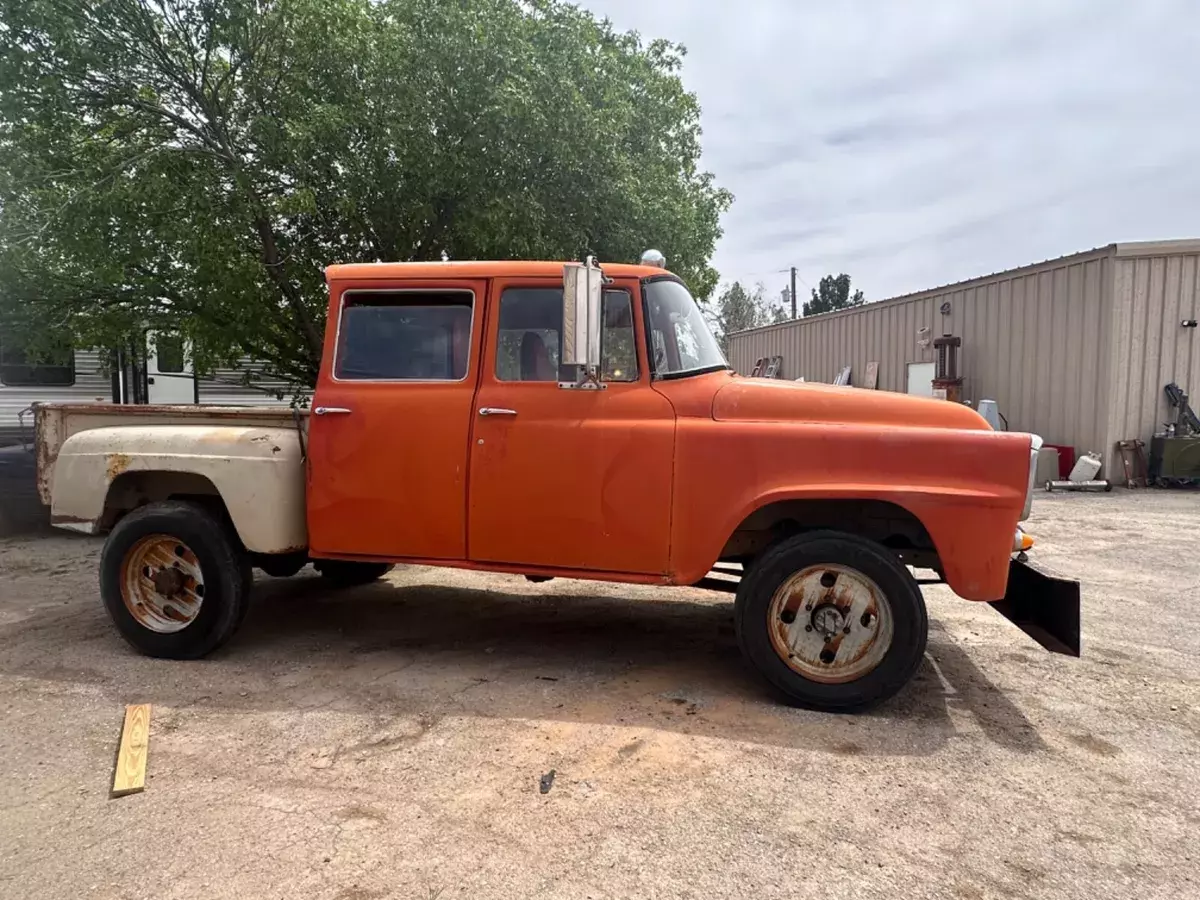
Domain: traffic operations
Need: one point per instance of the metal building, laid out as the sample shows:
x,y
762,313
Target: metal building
x,y
1076,349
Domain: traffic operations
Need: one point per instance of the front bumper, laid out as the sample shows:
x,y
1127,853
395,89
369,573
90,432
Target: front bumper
x,y
1044,607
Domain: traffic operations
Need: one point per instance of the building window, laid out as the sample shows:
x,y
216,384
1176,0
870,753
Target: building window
x,y
529,344
168,350
404,336
23,367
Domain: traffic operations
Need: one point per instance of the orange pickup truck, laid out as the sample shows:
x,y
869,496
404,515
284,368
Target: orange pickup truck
x,y
553,420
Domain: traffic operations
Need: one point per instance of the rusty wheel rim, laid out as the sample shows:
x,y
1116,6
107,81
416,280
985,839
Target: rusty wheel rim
x,y
830,623
161,583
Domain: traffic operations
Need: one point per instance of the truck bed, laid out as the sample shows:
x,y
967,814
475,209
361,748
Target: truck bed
x,y
55,422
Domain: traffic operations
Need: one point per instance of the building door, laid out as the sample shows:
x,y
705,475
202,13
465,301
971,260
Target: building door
x,y
170,379
920,379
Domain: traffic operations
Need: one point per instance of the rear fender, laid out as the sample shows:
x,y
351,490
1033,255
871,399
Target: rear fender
x,y
257,472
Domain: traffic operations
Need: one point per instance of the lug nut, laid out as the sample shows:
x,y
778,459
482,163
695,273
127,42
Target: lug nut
x,y
808,628
846,630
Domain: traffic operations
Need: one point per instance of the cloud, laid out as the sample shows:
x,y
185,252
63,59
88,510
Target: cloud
x,y
914,144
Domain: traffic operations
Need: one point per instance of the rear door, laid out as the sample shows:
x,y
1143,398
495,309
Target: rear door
x,y
391,421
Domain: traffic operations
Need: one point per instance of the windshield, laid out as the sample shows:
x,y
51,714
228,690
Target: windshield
x,y
679,337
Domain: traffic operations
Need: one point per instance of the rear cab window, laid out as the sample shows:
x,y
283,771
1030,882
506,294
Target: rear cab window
x,y
414,335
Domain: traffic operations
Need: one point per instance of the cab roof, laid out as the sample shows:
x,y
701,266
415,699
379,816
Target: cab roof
x,y
474,269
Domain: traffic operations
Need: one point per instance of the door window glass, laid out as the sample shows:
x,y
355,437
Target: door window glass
x,y
404,336
529,344
618,353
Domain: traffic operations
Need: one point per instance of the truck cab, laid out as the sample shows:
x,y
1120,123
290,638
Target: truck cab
x,y
553,420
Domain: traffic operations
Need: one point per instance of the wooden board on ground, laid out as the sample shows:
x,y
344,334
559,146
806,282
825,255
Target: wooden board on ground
x,y
130,776
872,376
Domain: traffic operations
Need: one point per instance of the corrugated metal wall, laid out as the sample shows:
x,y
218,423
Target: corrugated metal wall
x,y
1034,339
1153,294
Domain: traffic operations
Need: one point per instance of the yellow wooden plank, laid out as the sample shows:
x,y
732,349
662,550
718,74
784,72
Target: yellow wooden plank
x,y
130,776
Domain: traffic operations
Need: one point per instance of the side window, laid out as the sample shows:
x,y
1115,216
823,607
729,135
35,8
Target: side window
x,y
529,345
618,361
404,336
53,367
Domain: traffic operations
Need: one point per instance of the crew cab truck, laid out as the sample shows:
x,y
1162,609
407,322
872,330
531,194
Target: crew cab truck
x,y
562,420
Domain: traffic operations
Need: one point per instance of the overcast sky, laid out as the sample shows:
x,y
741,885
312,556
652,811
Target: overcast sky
x,y
922,142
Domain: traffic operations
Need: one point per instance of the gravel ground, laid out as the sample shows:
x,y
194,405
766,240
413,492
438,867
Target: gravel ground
x,y
389,741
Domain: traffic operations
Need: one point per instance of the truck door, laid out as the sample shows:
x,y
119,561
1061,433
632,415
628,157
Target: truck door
x,y
391,419
568,478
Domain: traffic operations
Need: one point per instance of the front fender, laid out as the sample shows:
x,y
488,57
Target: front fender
x,y
965,487
257,472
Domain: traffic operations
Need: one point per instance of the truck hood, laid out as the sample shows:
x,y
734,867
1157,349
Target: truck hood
x,y
763,400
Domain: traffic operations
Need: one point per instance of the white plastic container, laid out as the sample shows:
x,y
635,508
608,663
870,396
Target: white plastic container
x,y
990,412
1086,467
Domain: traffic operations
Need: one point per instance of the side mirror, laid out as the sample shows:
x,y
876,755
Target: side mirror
x,y
583,285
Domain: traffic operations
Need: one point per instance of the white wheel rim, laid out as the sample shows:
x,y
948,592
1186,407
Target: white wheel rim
x,y
830,623
161,584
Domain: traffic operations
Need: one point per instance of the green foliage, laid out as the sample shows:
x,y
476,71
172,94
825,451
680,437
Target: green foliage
x,y
193,164
833,292
738,309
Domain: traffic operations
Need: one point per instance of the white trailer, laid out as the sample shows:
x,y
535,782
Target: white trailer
x,y
90,376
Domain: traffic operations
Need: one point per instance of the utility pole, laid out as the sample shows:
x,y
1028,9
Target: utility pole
x,y
793,292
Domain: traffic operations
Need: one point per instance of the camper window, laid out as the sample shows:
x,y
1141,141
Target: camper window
x,y
19,367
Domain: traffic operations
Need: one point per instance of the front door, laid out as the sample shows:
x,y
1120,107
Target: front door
x,y
391,421
563,477
170,379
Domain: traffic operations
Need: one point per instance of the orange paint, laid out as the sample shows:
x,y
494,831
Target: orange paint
x,y
642,481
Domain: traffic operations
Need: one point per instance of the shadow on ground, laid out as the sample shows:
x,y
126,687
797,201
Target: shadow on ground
x,y
21,511
517,652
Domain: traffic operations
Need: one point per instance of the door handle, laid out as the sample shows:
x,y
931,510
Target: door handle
x,y
331,410
496,411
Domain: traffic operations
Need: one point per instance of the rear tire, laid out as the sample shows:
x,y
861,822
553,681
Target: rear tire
x,y
831,621
344,574
173,580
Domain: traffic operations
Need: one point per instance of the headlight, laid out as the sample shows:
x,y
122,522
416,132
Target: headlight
x,y
1035,444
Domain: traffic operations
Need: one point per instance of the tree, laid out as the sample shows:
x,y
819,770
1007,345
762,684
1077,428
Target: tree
x,y
738,309
193,164
833,292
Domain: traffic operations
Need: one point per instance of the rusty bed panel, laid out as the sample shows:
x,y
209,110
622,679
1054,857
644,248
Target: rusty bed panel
x,y
55,422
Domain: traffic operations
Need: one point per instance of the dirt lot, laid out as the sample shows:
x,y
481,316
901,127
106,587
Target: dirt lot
x,y
388,742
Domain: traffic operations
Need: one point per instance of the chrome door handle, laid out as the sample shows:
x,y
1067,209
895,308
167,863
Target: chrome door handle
x,y
496,411
331,411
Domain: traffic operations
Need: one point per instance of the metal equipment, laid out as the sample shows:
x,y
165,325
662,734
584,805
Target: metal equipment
x,y
947,383
768,367
1079,485
1175,453
1186,419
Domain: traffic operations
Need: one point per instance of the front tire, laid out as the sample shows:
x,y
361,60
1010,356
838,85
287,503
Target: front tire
x,y
173,580
344,574
831,621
